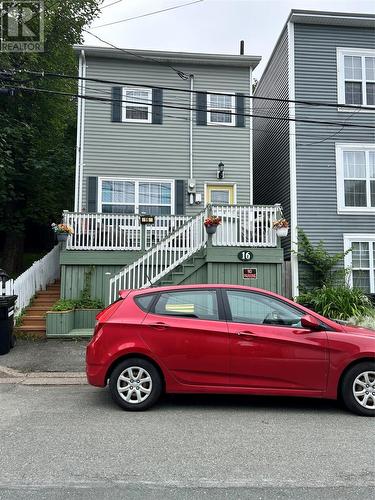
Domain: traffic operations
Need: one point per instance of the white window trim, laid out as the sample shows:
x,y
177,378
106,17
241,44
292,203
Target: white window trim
x,y
136,180
349,239
341,208
340,53
218,110
129,104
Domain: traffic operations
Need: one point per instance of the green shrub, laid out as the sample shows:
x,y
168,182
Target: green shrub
x,y
64,305
364,321
339,302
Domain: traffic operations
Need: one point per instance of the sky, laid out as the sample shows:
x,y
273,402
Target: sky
x,y
214,26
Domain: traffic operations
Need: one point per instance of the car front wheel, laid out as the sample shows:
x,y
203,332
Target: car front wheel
x,y
135,384
358,389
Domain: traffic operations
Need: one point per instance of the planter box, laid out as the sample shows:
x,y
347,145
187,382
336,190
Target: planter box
x,y
85,318
59,322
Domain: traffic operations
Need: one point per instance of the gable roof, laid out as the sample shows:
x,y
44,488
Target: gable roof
x,y
332,18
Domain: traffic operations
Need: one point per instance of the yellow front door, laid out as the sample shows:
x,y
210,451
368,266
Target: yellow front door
x,y
220,194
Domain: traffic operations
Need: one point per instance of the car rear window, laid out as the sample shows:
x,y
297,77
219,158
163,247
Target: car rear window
x,y
144,301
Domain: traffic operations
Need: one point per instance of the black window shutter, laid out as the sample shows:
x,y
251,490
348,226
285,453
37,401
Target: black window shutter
x,y
201,108
240,109
92,194
116,104
179,196
157,103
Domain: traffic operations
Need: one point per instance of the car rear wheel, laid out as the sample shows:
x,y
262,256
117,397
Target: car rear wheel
x,y
358,389
135,384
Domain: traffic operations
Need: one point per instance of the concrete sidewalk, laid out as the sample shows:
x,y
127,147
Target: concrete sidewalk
x,y
47,362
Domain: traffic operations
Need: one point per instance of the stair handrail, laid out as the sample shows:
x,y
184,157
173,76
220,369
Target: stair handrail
x,y
162,258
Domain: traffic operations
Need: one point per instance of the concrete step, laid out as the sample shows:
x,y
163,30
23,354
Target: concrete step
x,y
31,329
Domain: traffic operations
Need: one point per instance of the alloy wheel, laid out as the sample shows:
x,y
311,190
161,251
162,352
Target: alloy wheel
x,y
134,385
364,389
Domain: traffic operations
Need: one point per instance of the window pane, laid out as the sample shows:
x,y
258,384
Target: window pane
x,y
118,209
154,193
218,196
372,164
221,117
370,93
201,304
247,307
372,193
353,93
136,113
117,192
354,164
154,210
144,301
370,68
353,67
141,96
361,279
360,254
355,193
221,101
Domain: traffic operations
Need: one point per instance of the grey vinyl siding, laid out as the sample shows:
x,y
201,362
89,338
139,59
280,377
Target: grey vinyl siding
x,y
271,137
316,79
162,150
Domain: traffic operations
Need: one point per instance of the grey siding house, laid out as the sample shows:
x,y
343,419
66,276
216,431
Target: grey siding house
x,y
146,151
323,175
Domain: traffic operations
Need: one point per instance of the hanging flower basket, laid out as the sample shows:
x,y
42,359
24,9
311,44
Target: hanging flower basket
x,y
281,227
62,231
211,223
62,236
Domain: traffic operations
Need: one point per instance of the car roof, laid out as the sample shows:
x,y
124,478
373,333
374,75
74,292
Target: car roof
x,y
197,286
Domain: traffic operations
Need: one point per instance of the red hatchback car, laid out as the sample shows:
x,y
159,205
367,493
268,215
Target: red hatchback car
x,y
227,339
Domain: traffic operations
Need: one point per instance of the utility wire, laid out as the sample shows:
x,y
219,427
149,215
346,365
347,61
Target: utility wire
x,y
140,103
180,73
176,89
110,4
145,15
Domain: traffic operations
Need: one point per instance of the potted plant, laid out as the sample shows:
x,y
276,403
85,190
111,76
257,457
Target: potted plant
x,y
211,223
281,227
62,231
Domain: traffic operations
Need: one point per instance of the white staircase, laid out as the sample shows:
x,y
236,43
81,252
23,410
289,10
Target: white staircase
x,y
161,258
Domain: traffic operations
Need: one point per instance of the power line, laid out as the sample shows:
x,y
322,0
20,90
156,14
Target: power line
x,y
140,103
176,89
180,73
145,15
110,4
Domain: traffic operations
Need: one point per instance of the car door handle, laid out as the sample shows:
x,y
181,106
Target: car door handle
x,y
246,333
159,325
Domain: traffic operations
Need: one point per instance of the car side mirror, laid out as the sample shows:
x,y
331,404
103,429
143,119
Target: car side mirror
x,y
310,322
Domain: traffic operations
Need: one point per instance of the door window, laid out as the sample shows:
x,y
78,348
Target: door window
x,y
255,308
200,304
220,194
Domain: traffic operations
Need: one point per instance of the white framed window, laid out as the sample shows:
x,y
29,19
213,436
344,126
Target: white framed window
x,y
137,105
216,104
136,196
355,170
356,76
361,261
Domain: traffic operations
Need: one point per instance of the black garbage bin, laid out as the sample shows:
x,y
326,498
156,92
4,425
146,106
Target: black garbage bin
x,y
6,322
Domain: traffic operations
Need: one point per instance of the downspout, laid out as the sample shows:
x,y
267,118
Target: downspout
x,y
251,138
191,125
83,104
78,140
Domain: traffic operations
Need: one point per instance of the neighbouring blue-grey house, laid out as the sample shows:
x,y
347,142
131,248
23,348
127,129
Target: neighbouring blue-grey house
x,y
323,175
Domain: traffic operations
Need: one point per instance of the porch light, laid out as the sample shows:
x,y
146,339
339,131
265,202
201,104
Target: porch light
x,y
220,170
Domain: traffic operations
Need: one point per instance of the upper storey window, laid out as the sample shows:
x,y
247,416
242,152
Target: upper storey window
x,y
356,76
137,105
221,109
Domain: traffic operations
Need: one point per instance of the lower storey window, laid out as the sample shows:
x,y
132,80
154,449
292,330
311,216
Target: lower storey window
x,y
361,262
135,196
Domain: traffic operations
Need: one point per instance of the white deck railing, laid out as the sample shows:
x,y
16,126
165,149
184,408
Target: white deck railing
x,y
98,231
35,278
249,226
161,258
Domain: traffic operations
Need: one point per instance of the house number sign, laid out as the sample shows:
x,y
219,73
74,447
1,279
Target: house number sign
x,y
245,256
147,219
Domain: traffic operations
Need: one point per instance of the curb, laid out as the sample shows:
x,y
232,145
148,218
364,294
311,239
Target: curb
x,y
11,376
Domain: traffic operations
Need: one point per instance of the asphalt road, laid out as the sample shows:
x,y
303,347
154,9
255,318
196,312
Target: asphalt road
x,y
73,442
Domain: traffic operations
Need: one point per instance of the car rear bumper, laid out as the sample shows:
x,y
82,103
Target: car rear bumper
x,y
96,375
